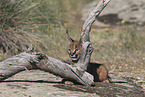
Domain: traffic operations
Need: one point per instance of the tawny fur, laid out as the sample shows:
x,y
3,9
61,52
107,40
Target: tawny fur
x,y
99,71
75,50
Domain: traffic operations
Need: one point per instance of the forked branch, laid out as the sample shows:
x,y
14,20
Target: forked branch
x,y
87,48
91,19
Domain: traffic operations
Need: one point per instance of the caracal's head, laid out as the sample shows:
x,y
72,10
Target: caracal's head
x,y
74,49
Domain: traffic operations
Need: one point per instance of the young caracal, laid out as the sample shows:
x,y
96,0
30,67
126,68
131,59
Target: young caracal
x,y
99,71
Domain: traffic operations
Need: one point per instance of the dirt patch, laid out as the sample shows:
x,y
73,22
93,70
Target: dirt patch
x,y
37,84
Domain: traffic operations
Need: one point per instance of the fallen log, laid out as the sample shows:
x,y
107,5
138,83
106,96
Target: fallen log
x,y
27,61
17,63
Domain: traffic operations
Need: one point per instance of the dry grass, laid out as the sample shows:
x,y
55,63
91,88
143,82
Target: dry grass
x,y
14,15
118,44
24,22
42,23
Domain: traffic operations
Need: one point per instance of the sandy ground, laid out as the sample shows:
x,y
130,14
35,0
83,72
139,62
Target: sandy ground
x,y
37,84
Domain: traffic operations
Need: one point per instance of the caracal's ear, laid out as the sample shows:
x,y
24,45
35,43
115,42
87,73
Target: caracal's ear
x,y
68,37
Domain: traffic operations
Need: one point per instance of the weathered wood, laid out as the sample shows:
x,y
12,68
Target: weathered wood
x,y
26,61
91,19
87,48
16,64
64,70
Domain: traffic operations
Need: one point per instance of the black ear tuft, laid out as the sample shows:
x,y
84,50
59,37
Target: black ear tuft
x,y
80,41
68,37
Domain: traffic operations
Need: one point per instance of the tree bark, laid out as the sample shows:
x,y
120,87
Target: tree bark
x,y
27,61
16,64
91,19
87,48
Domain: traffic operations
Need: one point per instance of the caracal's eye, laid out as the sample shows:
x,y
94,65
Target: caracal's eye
x,y
69,50
77,50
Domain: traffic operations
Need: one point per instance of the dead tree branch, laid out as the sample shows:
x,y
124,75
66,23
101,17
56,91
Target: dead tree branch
x,y
16,64
91,19
26,61
87,47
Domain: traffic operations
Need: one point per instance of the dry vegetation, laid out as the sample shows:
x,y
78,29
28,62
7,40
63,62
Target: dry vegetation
x,y
37,22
